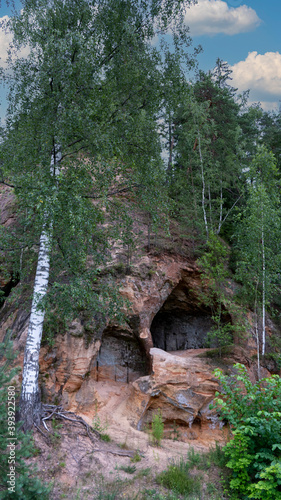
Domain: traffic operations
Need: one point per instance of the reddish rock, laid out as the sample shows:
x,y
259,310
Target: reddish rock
x,y
181,387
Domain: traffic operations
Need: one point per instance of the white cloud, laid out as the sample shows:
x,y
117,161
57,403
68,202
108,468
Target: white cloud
x,y
210,17
6,39
267,105
261,73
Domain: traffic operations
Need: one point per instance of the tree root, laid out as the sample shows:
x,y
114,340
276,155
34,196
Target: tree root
x,y
49,411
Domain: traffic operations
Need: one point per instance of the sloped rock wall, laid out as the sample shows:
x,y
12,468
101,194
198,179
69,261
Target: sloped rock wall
x,y
181,387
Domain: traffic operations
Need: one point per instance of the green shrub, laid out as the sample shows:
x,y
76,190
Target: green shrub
x,y
254,452
157,427
27,485
178,479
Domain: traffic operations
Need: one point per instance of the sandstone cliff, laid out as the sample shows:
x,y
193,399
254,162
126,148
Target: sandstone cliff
x,y
157,359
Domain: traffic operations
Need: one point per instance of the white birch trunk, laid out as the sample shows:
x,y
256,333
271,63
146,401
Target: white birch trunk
x,y
203,187
229,211
210,206
257,333
221,204
30,406
263,291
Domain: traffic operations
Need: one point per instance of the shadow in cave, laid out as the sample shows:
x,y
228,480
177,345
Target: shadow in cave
x,y
178,330
121,357
7,288
183,322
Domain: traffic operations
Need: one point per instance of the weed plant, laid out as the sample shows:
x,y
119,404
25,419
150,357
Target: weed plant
x,y
105,437
144,472
129,469
157,428
136,458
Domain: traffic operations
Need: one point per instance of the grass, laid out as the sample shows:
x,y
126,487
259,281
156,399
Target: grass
x,y
217,456
178,479
194,459
136,458
108,490
144,472
152,494
130,469
182,480
105,437
124,446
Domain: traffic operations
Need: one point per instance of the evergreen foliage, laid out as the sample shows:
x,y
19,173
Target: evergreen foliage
x,y
84,100
258,237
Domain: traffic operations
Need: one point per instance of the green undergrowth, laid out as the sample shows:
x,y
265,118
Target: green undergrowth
x,y
193,477
254,452
185,476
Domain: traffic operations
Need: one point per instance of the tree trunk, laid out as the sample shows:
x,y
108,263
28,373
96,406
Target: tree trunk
x,y
30,405
257,332
30,397
263,291
203,187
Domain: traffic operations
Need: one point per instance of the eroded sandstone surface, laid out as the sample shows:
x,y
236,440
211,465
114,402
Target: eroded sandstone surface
x,y
156,360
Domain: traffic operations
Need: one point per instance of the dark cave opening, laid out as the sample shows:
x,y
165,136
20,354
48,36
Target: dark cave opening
x,y
121,357
183,322
7,288
178,330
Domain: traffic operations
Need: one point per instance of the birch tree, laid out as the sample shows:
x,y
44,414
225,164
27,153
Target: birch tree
x,y
90,86
258,239
210,152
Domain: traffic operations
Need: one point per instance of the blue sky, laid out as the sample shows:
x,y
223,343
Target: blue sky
x,y
247,36
244,34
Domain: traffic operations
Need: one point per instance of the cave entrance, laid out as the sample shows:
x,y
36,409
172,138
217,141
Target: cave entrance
x,y
7,288
121,357
178,330
183,322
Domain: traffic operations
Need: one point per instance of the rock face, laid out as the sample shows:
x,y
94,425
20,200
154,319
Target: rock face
x,y
7,218
166,311
124,376
181,386
120,358
122,354
126,373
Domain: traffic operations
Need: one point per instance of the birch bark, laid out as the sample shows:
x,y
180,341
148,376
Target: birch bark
x,y
30,404
203,187
263,291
